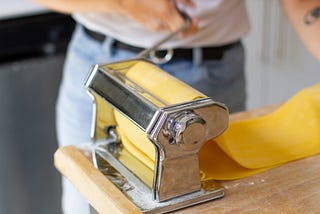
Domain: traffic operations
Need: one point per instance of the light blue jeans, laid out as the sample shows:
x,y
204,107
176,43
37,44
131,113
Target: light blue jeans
x,y
222,80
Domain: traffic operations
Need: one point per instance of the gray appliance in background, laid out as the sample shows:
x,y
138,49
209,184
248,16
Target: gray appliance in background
x,y
32,51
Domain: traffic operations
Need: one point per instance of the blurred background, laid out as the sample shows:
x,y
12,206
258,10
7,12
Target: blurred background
x,y
32,50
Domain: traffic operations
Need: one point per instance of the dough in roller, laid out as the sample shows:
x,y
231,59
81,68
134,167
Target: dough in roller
x,y
247,146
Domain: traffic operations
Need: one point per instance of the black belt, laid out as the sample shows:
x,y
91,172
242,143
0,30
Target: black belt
x,y
207,52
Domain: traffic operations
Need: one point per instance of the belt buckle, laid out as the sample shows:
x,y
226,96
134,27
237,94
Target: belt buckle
x,y
161,60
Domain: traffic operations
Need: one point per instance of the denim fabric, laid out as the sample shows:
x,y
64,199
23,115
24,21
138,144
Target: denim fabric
x,y
223,80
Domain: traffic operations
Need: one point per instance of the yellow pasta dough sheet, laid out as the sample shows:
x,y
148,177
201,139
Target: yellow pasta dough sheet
x,y
247,146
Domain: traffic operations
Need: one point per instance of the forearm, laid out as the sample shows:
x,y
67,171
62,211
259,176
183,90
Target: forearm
x,y
155,15
71,6
304,15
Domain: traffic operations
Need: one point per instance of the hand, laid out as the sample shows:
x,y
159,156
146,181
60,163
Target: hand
x,y
159,15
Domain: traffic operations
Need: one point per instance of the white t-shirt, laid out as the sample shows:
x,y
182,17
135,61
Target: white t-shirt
x,y
220,22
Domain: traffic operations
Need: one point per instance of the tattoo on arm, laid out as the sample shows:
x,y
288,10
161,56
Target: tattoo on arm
x,y
312,16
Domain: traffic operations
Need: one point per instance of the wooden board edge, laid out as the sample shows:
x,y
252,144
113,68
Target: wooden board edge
x,y
95,187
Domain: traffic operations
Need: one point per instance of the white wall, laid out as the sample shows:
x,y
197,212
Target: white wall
x,y
277,63
15,8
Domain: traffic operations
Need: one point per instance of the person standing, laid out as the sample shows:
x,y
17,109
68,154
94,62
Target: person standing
x,y
208,55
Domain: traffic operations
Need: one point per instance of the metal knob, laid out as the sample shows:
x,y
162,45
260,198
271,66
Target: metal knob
x,y
187,129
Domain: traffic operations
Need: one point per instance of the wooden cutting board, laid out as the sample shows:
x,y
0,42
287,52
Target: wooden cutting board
x,y
291,188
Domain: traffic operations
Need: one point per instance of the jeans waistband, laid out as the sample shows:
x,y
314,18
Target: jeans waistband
x,y
214,53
